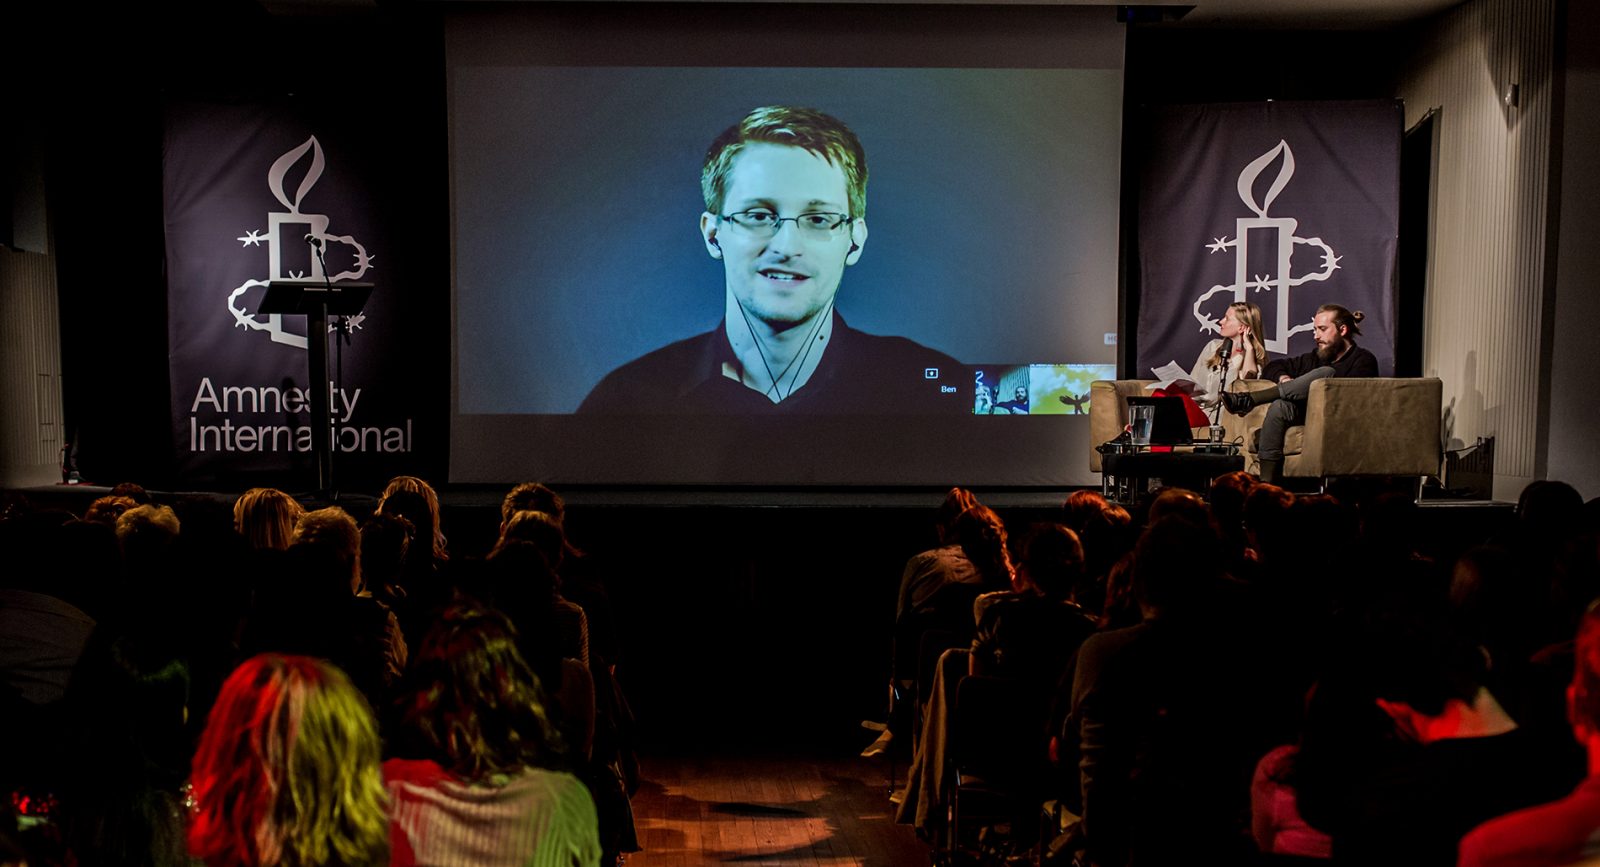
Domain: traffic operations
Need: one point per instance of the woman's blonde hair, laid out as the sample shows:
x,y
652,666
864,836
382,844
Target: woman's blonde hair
x,y
1247,313
411,487
265,517
287,771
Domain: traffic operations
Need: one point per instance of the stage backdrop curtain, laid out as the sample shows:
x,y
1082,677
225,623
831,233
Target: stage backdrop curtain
x,y
244,186
1289,205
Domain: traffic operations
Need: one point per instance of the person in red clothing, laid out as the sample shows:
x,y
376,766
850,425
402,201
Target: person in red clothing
x,y
1565,831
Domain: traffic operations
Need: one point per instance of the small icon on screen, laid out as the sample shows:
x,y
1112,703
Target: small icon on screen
x,y
930,373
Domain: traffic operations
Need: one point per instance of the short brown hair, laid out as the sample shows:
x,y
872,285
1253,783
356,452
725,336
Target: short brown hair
x,y
813,131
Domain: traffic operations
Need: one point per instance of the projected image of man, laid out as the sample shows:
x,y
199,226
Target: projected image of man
x,y
785,196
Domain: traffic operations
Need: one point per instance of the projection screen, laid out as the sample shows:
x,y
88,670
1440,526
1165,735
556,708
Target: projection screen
x,y
942,328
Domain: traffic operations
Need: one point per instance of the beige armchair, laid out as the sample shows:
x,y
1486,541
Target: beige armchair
x,y
1362,427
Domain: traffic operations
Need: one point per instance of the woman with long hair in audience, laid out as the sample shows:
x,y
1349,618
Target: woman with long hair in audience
x,y
287,771
265,517
319,607
474,781
120,781
415,500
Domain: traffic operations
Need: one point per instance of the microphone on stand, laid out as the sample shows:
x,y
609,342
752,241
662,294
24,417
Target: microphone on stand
x,y
1226,354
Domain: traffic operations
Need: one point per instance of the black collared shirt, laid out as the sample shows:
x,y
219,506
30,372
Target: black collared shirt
x,y
860,373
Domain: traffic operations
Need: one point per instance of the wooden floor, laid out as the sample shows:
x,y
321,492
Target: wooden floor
x,y
767,810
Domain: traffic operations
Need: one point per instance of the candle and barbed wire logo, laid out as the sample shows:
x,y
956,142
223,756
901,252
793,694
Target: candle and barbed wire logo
x,y
293,227
1279,280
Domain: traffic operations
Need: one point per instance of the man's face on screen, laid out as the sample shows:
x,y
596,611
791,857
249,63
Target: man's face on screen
x,y
787,278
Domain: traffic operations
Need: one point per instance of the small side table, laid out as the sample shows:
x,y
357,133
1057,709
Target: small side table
x,y
1126,475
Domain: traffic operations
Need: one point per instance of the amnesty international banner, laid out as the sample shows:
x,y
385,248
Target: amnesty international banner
x,y
1289,205
253,194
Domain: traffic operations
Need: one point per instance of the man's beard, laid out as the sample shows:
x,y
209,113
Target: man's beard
x,y
1330,351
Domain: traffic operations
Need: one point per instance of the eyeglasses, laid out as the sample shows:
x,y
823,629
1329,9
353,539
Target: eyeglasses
x,y
765,224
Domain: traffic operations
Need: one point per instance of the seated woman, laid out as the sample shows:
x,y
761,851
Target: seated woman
x,y
1212,373
474,783
287,771
266,517
1030,632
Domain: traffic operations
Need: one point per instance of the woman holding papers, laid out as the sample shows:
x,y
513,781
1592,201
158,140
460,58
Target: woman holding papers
x,y
1240,341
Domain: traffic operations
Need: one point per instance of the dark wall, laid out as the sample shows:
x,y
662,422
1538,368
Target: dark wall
x,y
104,93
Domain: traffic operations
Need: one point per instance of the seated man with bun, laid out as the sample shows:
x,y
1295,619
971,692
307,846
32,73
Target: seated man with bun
x,y
1337,354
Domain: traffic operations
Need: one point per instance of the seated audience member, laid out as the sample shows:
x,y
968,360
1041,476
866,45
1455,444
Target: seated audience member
x,y
943,651
474,782
1463,758
1079,506
146,534
1266,522
1335,731
1275,820
120,781
319,607
1119,604
1029,633
106,510
579,581
1177,501
568,620
1107,535
947,618
521,585
133,491
415,500
1226,498
927,572
385,545
1163,714
582,613
1552,542
266,517
924,577
1495,603
428,582
1565,831
287,771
